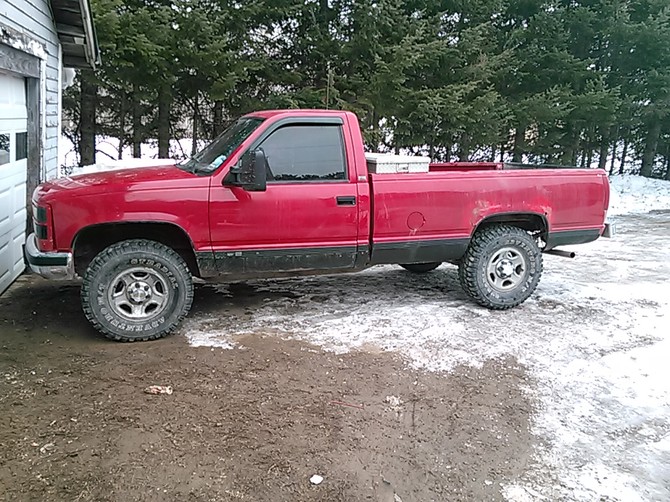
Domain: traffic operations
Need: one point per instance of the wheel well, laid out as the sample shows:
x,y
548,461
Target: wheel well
x,y
531,222
92,240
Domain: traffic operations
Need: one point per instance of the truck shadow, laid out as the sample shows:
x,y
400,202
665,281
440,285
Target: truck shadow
x,y
390,282
35,310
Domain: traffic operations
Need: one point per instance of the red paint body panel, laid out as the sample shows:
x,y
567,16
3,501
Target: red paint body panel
x,y
448,202
155,194
281,218
454,203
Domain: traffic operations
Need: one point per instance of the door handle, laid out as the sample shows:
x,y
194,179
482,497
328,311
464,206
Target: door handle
x,y
346,200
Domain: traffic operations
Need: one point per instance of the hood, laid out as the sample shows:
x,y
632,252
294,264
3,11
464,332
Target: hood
x,y
132,179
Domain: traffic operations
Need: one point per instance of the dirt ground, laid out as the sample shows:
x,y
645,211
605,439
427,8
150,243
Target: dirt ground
x,y
252,423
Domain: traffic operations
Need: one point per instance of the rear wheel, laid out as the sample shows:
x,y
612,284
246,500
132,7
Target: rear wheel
x,y
136,290
501,267
421,268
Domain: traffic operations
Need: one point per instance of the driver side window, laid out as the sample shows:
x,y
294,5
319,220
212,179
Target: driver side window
x,y
303,153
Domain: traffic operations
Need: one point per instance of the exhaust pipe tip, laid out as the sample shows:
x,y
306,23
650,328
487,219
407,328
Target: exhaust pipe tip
x,y
560,252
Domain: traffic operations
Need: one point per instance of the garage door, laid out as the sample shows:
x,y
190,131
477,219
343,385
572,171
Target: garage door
x,y
13,173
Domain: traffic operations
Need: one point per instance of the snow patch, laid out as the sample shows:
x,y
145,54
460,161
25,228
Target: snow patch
x,y
201,332
107,149
22,42
636,194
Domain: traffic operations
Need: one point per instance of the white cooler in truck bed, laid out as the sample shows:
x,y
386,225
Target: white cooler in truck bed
x,y
385,163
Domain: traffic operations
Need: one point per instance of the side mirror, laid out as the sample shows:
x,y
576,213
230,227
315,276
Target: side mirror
x,y
251,173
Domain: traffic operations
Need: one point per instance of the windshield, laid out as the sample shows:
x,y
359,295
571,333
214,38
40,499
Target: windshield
x,y
212,156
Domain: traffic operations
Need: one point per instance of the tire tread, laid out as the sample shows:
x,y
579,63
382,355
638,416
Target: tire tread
x,y
121,248
468,270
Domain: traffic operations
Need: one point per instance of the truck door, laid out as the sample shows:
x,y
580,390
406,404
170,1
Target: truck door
x,y
307,219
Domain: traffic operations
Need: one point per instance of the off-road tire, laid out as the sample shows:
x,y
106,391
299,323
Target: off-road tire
x,y
167,278
475,274
421,268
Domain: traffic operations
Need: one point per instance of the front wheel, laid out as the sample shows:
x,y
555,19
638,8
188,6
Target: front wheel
x,y
501,267
136,290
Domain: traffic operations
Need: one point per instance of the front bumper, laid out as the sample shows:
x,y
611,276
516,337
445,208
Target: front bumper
x,y
51,265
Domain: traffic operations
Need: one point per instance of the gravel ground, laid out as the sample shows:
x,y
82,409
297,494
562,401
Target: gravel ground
x,y
391,386
594,338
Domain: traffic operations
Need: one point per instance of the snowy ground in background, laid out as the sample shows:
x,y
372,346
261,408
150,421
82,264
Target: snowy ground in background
x,y
108,150
595,337
635,194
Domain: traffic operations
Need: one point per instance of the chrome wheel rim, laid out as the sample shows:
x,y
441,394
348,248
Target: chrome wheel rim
x,y
507,268
138,294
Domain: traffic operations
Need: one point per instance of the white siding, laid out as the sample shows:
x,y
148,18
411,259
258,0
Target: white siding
x,y
33,18
13,169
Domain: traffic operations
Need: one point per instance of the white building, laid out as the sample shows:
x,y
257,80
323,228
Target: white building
x,y
38,40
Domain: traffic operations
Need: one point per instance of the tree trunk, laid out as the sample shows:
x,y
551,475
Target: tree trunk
x,y
164,104
137,125
377,137
602,154
519,143
322,73
194,129
650,147
614,145
588,145
615,138
667,165
571,151
218,117
568,158
464,148
622,165
87,125
121,131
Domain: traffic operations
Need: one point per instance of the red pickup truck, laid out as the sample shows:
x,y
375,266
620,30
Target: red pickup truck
x,y
288,192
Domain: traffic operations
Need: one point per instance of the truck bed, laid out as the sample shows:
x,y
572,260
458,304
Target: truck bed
x,y
422,217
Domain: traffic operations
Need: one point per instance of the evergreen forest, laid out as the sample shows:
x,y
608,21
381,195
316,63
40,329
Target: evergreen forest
x,y
572,82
